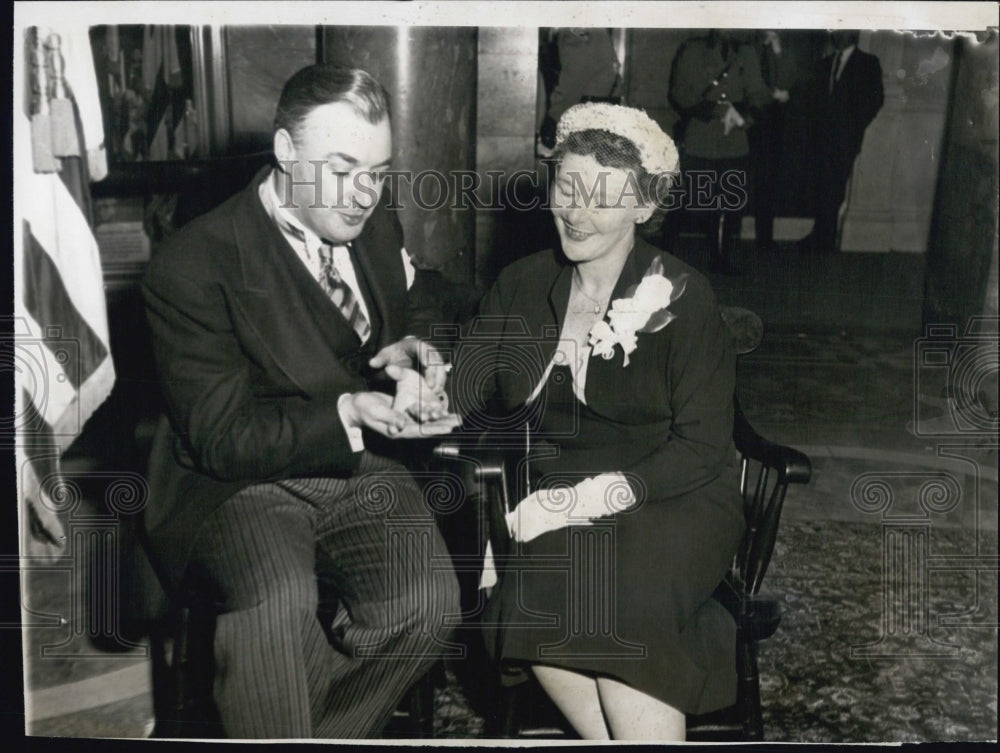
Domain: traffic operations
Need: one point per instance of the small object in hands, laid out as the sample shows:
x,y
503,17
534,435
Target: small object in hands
x,y
43,158
61,120
407,391
414,398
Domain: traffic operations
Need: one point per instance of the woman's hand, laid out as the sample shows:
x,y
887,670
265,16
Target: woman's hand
x,y
541,512
551,509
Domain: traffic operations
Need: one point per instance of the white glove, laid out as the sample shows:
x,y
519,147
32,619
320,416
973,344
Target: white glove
x,y
551,509
732,119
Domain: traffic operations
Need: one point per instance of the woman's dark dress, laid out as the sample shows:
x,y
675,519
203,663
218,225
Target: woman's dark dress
x,y
630,595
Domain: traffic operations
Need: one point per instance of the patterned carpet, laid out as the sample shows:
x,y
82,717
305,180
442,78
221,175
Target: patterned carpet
x,y
932,678
889,629
935,679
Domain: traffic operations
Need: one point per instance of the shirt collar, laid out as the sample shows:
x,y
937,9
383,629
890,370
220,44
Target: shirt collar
x,y
284,217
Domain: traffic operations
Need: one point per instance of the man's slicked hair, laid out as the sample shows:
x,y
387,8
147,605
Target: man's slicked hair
x,y
324,84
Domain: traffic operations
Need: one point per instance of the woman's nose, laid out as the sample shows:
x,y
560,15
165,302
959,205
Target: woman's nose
x,y
572,212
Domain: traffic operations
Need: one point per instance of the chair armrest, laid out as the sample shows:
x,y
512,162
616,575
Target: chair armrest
x,y
489,461
490,469
793,467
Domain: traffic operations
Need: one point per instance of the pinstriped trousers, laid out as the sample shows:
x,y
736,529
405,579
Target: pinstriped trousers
x,y
279,556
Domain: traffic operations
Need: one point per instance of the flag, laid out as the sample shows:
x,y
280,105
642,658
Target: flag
x,y
163,81
59,347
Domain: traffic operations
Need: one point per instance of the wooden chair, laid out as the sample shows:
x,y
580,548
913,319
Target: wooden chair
x,y
767,469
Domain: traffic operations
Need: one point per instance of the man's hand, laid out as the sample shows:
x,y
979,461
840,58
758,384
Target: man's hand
x,y
411,352
374,410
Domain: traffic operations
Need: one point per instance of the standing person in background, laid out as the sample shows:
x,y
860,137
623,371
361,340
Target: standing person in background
x,y
588,72
767,137
849,84
717,88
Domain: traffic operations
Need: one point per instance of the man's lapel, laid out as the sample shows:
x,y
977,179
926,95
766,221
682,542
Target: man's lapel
x,y
294,319
379,313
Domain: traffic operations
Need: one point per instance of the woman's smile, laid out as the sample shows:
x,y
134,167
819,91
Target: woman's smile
x,y
574,233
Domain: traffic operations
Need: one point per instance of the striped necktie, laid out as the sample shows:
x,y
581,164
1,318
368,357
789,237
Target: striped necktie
x,y
329,278
341,294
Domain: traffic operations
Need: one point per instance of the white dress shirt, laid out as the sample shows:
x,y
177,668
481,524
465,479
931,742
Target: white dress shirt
x,y
840,60
308,252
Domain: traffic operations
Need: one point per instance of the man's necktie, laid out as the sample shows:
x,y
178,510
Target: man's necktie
x,y
341,294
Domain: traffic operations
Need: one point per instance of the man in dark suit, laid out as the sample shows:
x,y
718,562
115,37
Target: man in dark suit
x,y
279,323
849,95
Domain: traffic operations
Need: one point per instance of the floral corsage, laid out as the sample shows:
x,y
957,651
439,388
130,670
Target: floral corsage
x,y
644,310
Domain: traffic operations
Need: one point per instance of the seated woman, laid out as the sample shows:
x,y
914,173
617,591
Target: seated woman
x,y
615,354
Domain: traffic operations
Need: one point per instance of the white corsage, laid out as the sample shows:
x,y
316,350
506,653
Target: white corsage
x,y
644,311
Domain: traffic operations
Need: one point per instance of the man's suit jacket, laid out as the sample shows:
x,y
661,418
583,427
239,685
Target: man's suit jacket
x,y
252,357
845,112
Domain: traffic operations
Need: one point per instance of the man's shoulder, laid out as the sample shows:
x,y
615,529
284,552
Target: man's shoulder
x,y
206,243
867,58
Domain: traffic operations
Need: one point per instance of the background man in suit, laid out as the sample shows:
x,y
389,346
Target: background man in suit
x,y
278,324
849,94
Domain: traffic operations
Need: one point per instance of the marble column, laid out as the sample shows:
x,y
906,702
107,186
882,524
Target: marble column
x,y
430,74
961,271
890,199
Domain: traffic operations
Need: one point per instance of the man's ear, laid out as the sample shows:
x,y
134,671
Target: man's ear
x,y
284,149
